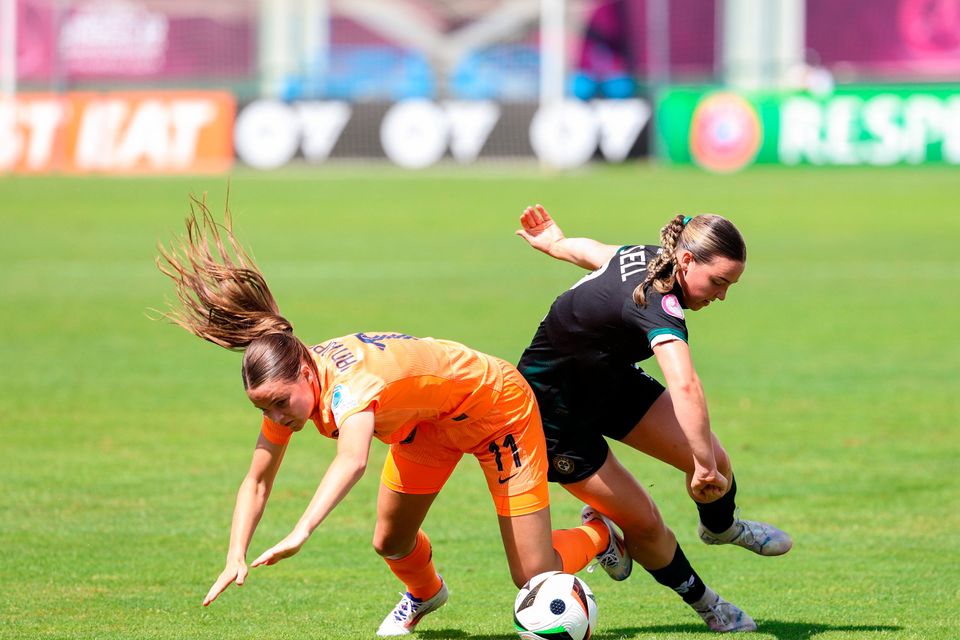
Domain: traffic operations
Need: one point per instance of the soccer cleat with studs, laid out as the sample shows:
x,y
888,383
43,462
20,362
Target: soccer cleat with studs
x,y
614,559
761,538
721,615
409,611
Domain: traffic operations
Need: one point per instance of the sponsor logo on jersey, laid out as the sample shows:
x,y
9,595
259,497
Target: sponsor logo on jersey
x,y
671,306
563,465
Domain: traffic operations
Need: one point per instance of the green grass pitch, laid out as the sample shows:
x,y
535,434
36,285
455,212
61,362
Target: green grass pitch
x,y
832,371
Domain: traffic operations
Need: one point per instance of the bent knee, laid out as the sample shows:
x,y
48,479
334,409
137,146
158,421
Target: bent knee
x,y
522,576
529,567
392,547
650,527
519,579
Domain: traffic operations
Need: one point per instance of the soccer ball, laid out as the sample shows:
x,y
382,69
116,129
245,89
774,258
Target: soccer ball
x,y
555,605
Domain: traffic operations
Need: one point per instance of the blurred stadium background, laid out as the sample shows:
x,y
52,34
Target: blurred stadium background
x,y
174,86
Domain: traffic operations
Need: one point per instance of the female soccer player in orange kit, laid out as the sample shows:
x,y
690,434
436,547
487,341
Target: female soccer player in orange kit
x,y
430,400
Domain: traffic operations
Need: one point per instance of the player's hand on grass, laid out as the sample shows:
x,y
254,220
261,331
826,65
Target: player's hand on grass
x,y
539,229
284,549
707,485
234,571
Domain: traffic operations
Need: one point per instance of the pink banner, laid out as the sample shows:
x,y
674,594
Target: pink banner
x,y
134,40
880,39
615,39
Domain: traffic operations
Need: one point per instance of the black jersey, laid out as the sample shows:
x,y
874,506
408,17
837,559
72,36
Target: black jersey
x,y
581,363
598,322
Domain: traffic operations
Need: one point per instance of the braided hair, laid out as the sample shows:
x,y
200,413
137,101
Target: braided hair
x,y
706,236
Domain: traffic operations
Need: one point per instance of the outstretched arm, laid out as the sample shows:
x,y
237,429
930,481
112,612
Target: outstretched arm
x,y
690,407
251,501
353,448
543,234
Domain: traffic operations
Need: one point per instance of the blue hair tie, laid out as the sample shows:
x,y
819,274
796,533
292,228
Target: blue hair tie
x,y
687,219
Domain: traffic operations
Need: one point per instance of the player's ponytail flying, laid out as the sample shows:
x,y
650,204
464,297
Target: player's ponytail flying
x,y
225,299
706,236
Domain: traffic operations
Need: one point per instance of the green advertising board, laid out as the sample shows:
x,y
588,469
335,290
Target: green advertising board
x,y
726,131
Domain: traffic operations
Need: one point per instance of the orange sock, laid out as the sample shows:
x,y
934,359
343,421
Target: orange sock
x,y
577,547
416,570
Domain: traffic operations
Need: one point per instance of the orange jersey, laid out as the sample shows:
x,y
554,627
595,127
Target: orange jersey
x,y
405,380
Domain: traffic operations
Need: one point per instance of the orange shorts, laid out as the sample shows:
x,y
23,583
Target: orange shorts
x,y
508,441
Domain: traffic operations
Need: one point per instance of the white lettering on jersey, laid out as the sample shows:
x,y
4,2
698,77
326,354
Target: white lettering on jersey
x,y
632,262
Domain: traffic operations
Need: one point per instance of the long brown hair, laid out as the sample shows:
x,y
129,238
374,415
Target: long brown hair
x,y
223,298
706,236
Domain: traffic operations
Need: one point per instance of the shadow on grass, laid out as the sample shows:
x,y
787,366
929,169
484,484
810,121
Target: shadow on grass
x,y
443,634
776,628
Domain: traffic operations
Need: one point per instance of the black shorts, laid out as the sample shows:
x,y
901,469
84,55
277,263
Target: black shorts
x,y
581,406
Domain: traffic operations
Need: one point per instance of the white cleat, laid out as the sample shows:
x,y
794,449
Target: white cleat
x,y
409,611
721,615
761,538
614,559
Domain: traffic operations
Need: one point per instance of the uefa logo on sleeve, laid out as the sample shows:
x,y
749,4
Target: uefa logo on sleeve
x,y
337,396
341,402
725,133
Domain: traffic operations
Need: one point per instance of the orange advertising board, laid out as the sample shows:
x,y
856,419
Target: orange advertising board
x,y
118,133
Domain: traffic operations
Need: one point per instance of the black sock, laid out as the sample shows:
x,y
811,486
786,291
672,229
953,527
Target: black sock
x,y
680,576
717,516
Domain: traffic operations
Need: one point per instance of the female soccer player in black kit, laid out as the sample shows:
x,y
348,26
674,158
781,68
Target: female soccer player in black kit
x,y
582,367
